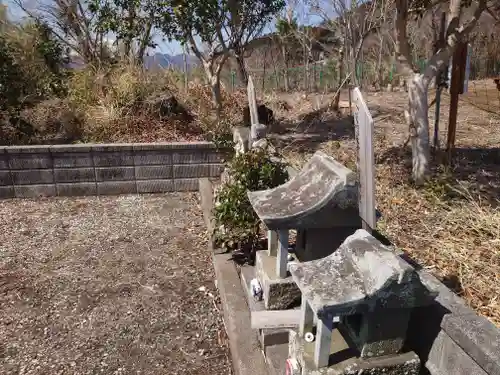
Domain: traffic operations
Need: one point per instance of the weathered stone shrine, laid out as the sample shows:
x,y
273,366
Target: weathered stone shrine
x,y
321,203
361,298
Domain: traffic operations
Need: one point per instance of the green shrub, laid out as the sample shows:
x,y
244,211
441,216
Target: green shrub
x,y
237,225
31,71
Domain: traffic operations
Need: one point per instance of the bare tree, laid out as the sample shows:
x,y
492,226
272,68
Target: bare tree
x,y
245,21
286,26
73,24
86,27
417,115
352,24
213,29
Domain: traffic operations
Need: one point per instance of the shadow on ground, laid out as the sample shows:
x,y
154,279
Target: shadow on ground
x,y
312,129
473,172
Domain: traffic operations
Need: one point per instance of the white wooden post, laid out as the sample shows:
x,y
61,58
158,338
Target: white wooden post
x,y
254,115
323,342
306,317
366,161
282,256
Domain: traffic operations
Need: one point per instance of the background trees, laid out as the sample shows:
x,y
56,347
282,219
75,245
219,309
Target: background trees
x,y
394,35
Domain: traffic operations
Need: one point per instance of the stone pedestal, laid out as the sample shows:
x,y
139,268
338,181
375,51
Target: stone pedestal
x,y
343,360
279,293
376,334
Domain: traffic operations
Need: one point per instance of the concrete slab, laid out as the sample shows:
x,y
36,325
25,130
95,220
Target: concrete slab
x,y
247,273
478,337
276,356
275,319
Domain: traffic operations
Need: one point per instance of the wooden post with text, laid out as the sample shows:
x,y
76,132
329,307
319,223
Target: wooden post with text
x,y
363,123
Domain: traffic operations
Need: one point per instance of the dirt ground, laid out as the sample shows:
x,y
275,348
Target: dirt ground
x,y
452,225
118,285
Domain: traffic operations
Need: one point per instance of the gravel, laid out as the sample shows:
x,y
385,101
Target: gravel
x,y
113,285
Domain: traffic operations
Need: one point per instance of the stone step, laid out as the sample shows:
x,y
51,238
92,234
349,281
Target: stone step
x,y
246,275
276,356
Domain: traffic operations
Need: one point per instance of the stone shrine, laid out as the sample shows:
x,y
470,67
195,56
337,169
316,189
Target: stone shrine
x,y
321,203
356,304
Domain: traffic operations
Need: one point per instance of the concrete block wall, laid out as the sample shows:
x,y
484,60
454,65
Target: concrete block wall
x,y
105,169
451,338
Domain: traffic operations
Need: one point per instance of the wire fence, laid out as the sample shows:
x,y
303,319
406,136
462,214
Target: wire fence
x,y
481,90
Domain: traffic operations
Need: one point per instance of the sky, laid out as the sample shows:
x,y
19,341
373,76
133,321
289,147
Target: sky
x,y
15,14
163,46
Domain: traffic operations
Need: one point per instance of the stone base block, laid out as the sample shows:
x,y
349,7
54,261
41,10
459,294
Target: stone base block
x,y
346,361
267,336
273,336
279,294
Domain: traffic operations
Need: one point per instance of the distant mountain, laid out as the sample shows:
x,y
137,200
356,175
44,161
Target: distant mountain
x,y
165,61
158,60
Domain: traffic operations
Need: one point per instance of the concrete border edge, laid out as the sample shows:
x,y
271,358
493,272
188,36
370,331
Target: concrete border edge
x,y
245,349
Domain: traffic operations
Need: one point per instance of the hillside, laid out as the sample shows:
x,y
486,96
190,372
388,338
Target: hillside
x,y
161,60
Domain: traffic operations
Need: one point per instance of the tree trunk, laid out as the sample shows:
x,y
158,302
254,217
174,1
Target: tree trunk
x,y
217,97
306,68
379,70
264,72
418,121
185,64
285,64
213,77
340,77
242,71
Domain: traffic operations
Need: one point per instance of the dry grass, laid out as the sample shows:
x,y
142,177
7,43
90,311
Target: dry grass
x,y
484,95
452,225
121,104
108,285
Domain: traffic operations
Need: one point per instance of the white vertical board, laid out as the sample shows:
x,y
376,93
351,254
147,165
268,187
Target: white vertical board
x,y
252,102
363,123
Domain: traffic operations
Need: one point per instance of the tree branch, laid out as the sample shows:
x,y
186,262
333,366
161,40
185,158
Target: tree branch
x,y
403,54
455,36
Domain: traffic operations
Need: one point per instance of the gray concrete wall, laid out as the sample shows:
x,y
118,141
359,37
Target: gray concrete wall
x,y
105,169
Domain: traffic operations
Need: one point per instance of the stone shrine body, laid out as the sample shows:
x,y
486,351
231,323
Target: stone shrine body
x,y
358,302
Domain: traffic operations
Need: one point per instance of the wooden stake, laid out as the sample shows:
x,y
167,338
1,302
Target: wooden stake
x,y
456,87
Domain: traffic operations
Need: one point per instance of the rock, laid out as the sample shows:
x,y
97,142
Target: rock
x,y
261,143
257,132
265,114
167,106
282,105
241,139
